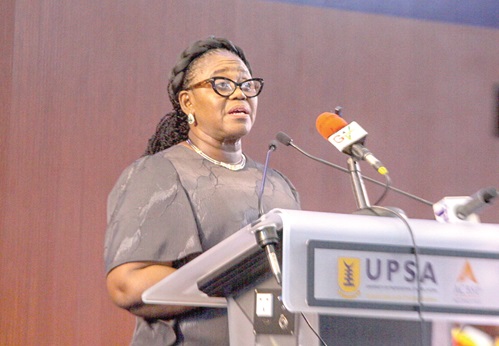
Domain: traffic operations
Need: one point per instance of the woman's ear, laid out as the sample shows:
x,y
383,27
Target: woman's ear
x,y
184,99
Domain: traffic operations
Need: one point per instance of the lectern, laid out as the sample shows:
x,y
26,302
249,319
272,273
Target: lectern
x,y
343,265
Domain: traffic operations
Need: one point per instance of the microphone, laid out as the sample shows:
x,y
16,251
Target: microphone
x,y
477,202
266,236
347,138
283,138
463,208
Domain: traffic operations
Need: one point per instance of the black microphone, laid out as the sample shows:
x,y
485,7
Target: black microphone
x,y
286,140
267,236
478,201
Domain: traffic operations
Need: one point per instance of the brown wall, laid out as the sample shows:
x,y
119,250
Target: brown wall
x,y
83,84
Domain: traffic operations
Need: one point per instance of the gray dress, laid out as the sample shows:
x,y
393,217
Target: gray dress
x,y
175,204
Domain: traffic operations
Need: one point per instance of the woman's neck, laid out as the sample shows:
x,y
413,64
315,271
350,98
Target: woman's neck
x,y
228,151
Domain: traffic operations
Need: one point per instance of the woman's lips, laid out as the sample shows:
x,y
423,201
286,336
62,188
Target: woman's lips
x,y
240,110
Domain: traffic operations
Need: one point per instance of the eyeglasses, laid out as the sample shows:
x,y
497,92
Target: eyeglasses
x,y
226,87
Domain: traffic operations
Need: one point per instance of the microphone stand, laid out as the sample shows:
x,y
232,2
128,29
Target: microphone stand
x,y
361,197
366,209
359,189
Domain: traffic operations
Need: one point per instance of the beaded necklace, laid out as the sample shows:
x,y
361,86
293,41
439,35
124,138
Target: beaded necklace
x,y
232,166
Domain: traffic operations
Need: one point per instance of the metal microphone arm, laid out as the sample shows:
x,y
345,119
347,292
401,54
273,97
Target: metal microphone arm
x,y
359,189
272,147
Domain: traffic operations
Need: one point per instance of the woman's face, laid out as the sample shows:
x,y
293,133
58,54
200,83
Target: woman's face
x,y
224,119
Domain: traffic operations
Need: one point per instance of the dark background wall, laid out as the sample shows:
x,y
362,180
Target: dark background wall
x,y
83,85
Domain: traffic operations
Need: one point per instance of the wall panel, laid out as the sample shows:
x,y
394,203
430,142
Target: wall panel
x,y
83,85
9,282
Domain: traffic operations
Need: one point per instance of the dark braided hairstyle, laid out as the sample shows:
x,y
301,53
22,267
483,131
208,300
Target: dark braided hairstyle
x,y
173,127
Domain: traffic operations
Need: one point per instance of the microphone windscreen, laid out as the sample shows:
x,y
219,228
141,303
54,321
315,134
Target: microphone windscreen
x,y
329,123
284,138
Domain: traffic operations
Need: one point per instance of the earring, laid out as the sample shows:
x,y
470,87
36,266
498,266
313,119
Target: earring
x,y
190,119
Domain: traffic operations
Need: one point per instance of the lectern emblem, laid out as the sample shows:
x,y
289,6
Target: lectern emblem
x,y
349,276
467,274
467,290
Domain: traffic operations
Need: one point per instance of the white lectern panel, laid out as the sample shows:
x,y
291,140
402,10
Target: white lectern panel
x,y
363,265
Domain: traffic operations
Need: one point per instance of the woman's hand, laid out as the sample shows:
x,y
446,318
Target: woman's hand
x,y
127,282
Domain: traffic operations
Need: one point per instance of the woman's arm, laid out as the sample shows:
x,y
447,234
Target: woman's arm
x,y
127,282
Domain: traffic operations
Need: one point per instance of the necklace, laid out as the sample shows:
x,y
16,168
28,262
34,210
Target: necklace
x,y
232,166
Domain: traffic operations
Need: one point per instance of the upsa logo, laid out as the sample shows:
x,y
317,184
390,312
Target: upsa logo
x,y
349,276
346,133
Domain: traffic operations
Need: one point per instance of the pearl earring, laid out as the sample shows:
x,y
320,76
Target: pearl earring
x,y
190,119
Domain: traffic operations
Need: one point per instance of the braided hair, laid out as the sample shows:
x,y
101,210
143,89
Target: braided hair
x,y
173,127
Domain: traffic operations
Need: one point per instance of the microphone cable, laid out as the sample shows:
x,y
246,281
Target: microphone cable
x,y
388,183
313,329
419,298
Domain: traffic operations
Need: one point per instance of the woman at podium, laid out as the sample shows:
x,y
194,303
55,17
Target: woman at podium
x,y
193,188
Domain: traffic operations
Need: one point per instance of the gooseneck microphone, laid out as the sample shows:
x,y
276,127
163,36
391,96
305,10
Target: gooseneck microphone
x,y
272,147
478,201
287,141
267,236
347,138
283,138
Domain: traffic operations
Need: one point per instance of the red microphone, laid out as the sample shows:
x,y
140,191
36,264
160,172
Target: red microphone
x,y
347,138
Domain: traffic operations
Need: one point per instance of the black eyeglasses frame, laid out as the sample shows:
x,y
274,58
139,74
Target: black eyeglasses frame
x,y
212,81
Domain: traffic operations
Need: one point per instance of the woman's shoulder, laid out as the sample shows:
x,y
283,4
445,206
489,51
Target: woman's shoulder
x,y
161,159
147,174
152,166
